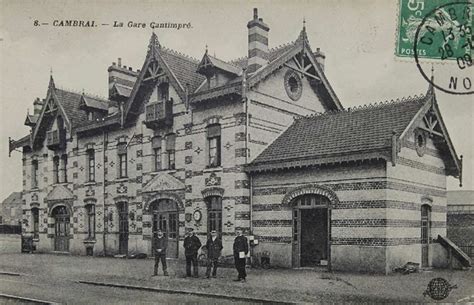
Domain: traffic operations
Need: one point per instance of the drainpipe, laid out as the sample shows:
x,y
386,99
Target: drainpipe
x,y
104,193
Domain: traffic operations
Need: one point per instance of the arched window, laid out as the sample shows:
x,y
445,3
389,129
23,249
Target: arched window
x,y
35,214
214,213
90,221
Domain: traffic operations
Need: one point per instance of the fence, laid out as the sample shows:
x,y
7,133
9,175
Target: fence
x,y
10,229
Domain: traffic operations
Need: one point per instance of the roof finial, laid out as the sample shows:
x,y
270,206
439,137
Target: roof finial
x,y
206,48
430,91
51,80
304,24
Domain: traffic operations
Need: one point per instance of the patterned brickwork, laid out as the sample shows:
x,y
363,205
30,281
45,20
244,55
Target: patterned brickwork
x,y
352,186
404,223
421,166
375,241
272,223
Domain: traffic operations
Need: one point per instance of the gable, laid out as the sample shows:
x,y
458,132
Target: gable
x,y
59,192
162,65
275,90
163,182
427,127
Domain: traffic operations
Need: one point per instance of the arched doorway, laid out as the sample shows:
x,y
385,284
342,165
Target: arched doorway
x,y
165,218
61,228
311,218
122,208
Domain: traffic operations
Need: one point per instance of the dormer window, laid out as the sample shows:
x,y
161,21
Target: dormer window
x,y
212,81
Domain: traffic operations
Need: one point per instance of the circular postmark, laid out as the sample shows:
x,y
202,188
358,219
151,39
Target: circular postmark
x,y
438,289
447,33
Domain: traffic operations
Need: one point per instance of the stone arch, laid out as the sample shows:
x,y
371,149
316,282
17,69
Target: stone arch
x,y
310,189
212,191
164,195
427,200
55,205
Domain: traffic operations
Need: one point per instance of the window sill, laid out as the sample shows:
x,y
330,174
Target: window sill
x,y
36,239
166,171
213,169
90,183
89,241
123,179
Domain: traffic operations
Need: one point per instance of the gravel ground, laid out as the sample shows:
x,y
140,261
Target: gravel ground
x,y
284,285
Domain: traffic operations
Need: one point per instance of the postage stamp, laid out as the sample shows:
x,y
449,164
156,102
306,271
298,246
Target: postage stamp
x,y
446,33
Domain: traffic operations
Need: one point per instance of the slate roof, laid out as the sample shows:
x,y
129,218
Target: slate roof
x,y
70,102
95,102
13,199
362,132
183,67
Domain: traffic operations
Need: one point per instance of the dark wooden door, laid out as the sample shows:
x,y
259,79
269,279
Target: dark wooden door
x,y
313,236
425,234
123,228
165,218
310,231
61,229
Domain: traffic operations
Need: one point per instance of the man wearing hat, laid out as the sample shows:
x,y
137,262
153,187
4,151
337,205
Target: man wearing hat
x,y
191,247
161,243
241,249
214,248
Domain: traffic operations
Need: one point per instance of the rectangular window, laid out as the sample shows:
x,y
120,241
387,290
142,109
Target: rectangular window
x,y
64,168
170,151
156,146
91,165
122,156
34,174
56,169
214,144
90,209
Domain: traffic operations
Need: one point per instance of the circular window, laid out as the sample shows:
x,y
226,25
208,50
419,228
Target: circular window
x,y
420,140
293,85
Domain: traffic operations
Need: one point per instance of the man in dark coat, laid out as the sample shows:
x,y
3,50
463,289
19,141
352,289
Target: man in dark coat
x,y
241,248
214,248
161,243
191,247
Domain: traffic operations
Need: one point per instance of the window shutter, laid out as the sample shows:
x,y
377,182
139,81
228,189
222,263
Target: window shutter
x,y
122,148
214,131
156,142
170,141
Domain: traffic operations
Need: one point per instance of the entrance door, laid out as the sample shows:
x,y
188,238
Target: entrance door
x,y
61,229
310,231
123,227
165,218
425,234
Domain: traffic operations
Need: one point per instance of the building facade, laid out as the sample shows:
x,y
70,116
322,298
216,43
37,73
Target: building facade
x,y
183,143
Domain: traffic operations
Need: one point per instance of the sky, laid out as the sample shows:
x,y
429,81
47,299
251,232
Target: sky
x,y
358,38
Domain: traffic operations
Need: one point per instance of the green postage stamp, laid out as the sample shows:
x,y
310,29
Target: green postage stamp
x,y
435,29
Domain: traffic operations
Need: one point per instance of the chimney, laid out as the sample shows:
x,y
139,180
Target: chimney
x,y
320,57
122,75
37,105
258,43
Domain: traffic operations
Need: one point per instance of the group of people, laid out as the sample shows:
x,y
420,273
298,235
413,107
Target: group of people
x,y
213,247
